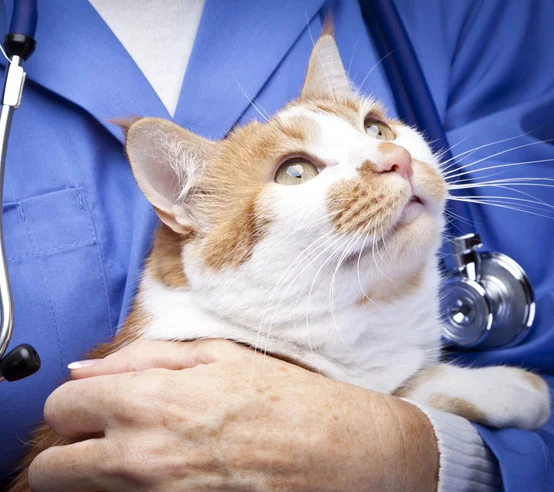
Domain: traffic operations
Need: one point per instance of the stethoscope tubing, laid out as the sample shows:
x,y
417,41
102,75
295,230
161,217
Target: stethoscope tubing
x,y
24,17
6,323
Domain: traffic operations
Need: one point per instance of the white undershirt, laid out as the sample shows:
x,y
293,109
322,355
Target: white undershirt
x,y
159,36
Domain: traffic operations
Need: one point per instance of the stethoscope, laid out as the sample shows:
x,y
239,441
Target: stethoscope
x,y
487,302
23,360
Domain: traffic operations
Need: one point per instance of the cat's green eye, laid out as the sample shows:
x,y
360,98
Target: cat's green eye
x,y
378,129
295,171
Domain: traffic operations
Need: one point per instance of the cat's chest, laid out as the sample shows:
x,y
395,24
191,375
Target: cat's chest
x,y
353,345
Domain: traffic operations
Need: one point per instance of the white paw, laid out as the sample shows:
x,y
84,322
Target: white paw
x,y
497,396
512,397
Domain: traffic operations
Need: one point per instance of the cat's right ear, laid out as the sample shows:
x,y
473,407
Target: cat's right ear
x,y
166,161
326,76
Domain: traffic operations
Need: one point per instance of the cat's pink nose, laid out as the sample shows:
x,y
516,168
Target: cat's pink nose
x,y
399,161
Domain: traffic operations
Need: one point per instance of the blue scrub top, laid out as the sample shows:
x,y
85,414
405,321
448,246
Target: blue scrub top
x,y
77,228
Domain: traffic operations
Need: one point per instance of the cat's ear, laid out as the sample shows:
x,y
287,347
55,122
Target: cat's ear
x,y
166,161
326,76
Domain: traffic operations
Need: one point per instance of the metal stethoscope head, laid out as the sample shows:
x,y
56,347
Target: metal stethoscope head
x,y
489,302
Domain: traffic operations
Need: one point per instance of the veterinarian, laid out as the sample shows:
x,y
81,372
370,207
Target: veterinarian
x,y
77,229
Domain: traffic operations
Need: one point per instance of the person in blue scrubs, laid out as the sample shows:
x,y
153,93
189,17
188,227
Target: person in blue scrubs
x,y
77,228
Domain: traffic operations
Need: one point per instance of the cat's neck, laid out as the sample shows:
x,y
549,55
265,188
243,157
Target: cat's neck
x,y
383,346
375,339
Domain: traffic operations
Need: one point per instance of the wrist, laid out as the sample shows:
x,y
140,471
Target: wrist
x,y
406,441
420,448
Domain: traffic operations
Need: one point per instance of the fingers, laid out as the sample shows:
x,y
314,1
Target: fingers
x,y
88,405
142,355
81,466
81,408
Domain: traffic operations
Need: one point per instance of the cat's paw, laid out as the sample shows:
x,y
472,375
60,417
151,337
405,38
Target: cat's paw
x,y
510,397
519,399
498,396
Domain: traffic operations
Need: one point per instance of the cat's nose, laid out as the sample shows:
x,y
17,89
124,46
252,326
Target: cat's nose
x,y
398,160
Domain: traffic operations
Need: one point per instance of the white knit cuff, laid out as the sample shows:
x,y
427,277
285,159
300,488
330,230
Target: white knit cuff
x,y
466,463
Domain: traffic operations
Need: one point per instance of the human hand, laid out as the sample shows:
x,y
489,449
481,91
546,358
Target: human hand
x,y
213,415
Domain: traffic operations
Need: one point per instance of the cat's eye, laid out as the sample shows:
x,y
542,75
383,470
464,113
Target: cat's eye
x,y
378,129
296,171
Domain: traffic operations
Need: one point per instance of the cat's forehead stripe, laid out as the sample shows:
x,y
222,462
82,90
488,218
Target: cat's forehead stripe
x,y
299,127
350,110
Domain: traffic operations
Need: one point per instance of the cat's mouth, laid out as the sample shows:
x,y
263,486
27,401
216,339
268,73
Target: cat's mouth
x,y
412,210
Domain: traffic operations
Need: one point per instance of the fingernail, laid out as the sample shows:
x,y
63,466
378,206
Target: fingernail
x,y
82,363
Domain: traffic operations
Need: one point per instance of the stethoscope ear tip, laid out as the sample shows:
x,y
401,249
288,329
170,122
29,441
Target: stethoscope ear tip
x,y
19,363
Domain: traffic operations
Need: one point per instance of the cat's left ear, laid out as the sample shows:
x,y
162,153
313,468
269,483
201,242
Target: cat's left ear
x,y
326,76
166,161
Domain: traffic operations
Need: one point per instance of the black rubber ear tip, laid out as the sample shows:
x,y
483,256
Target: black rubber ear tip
x,y
19,363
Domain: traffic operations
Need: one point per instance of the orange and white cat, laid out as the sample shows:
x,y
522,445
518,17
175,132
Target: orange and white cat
x,y
312,236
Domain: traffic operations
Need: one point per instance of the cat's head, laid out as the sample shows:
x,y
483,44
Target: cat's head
x,y
274,208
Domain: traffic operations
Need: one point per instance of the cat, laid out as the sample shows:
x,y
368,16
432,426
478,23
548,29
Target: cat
x,y
311,236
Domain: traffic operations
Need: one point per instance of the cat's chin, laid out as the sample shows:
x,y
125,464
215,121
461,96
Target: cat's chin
x,y
413,209
419,234
418,216
408,242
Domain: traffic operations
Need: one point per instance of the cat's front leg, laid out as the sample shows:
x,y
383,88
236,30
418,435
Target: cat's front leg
x,y
497,396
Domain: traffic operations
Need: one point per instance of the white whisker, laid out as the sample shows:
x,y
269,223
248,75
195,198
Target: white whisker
x,y
497,166
507,181
347,250
374,259
493,204
332,286
352,57
329,236
459,168
358,267
474,149
439,156
266,117
471,179
520,192
336,240
517,199
307,312
375,66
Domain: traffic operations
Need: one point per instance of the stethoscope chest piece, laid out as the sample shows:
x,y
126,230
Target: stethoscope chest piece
x,y
489,303
467,313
